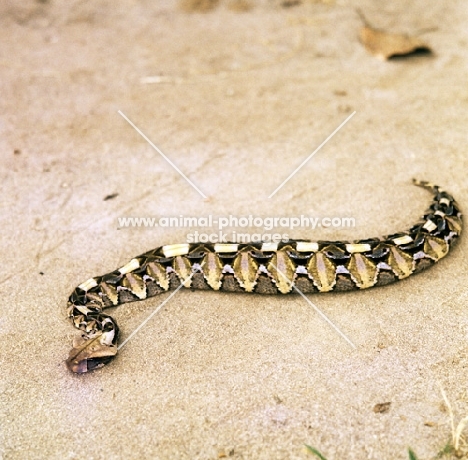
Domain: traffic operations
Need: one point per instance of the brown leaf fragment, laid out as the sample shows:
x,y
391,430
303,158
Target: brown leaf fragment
x,y
198,6
240,6
430,424
290,3
381,345
381,408
385,45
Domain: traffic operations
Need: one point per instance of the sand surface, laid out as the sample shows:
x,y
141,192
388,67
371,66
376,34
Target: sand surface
x,y
237,97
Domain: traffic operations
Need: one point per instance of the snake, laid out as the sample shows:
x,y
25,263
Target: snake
x,y
264,268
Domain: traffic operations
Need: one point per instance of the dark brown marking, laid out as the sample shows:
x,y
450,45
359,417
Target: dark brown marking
x,y
385,277
381,408
174,281
126,296
423,264
345,283
265,285
153,288
304,284
199,283
230,283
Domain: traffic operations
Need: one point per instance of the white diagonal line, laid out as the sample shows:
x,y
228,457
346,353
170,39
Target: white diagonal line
x,y
325,317
313,153
154,312
138,130
149,317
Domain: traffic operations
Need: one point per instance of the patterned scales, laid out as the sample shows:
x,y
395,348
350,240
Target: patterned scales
x,y
263,268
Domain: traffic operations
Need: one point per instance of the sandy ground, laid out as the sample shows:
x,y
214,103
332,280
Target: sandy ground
x,y
237,97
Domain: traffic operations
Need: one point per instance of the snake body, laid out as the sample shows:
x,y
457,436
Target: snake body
x,y
264,268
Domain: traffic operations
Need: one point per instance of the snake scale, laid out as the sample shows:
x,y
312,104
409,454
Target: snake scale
x,y
264,268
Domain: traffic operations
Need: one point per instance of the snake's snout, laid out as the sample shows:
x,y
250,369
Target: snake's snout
x,y
89,353
86,364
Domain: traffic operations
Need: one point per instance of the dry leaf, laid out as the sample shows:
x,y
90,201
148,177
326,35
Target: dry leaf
x,y
385,45
381,345
382,407
289,3
198,6
240,6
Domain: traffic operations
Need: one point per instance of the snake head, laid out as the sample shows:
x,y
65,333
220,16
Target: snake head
x,y
89,353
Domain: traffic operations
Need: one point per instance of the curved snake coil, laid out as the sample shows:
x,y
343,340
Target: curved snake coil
x,y
264,268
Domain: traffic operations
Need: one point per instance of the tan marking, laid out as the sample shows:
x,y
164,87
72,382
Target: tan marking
x,y
435,248
246,270
322,271
402,240
283,270
94,300
429,226
135,284
173,250
107,321
77,320
110,292
454,224
358,247
362,270
401,263
159,274
306,246
132,265
212,270
228,247
183,270
88,284
445,201
83,309
91,326
269,247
